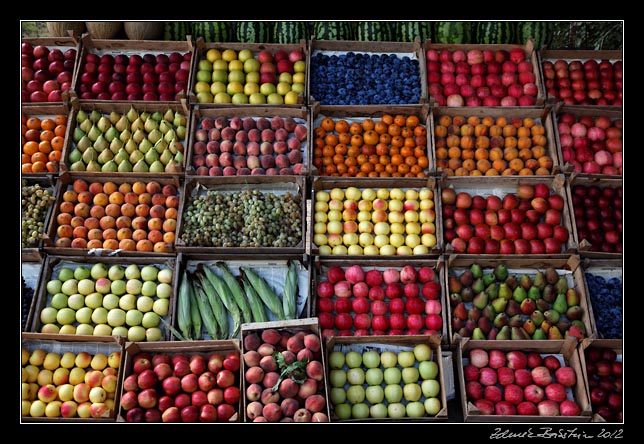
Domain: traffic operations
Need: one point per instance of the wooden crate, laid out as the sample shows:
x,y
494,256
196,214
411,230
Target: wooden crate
x,y
44,111
565,350
394,344
569,267
47,182
615,344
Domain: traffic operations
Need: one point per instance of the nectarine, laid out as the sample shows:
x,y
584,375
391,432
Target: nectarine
x,y
111,244
128,209
112,210
80,185
110,188
144,245
78,243
95,187
153,187
94,243
127,245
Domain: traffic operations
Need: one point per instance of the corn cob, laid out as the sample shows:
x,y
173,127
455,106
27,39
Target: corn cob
x,y
207,315
226,297
265,292
216,304
256,305
195,316
289,296
183,307
236,291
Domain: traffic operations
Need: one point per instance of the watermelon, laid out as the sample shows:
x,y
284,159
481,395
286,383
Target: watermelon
x,y
290,32
374,31
488,33
253,32
408,31
176,30
212,31
539,32
333,30
452,32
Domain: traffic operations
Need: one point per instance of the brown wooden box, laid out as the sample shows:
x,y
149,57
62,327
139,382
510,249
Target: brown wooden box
x,y
615,344
48,182
43,111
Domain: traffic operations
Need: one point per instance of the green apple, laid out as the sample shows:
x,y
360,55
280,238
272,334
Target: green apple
x,y
164,276
144,303
118,287
59,300
48,315
65,274
222,97
267,89
99,316
393,393
422,352
149,273
353,359
428,369
136,333
82,272
85,329
371,358
233,88
410,375
153,334
282,88
110,301
253,77
133,317
299,66
396,410
127,302
54,286
337,395
378,410
133,286
251,88
115,272
70,286
149,288
374,394
356,394
116,317
121,330
388,359
205,97
163,290
150,320
257,99
337,377
430,388
432,405
415,409
355,376
343,411
374,376
204,65
102,330
360,411
251,65
336,359
66,316
76,301
161,307
240,98
86,286
217,87
132,272
94,300
406,358
98,270
412,392
84,315
392,375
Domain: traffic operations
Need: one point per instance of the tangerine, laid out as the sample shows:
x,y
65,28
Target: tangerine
x,y
400,120
393,130
355,128
38,167
370,137
380,127
30,147
368,124
60,119
33,123
388,119
60,130
341,126
57,143
327,124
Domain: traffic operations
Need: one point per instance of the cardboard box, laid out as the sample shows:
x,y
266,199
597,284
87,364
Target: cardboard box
x,y
65,182
503,185
251,334
327,184
45,111
607,269
613,344
53,265
60,344
187,349
33,252
358,114
321,266
106,107
300,115
272,269
567,353
394,344
540,116
277,185
570,268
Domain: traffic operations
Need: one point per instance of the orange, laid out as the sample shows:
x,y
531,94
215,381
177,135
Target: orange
x,y
370,137
319,133
380,127
410,160
318,142
338,159
385,138
388,119
355,128
440,131
341,148
441,153
331,139
540,140
453,140
545,162
397,141
30,147
509,130
52,167
467,142
341,126
26,158
406,151
330,169
523,131
475,173
39,167
528,122
501,121
57,143
467,130
393,130
481,130
412,121
60,130
55,156
328,151
537,129
47,124
356,140
524,142
473,120
403,168
39,157
368,124
26,168
481,153
344,138
510,141
60,119
47,135
24,118
409,142
496,153
400,120
353,151
405,132
445,120
420,130
32,134
44,147
538,151
33,123
327,124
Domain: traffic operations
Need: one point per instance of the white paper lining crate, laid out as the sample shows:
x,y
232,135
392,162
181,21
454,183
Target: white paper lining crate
x,y
321,266
540,116
586,247
64,44
187,348
287,328
199,113
530,51
569,55
46,111
413,50
65,182
570,268
106,107
33,252
272,269
615,344
76,344
280,186
501,186
394,344
567,353
327,184
53,264
358,114
128,48
202,47
615,114
607,269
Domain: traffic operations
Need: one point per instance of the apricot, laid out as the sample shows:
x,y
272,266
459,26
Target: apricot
x,y
80,231
125,188
97,211
139,187
158,199
153,187
171,213
142,210
145,198
169,237
77,221
81,209
80,185
63,242
64,231
128,209
85,197
162,247
139,223
110,187
116,197
155,223
123,222
139,234
70,196
169,225
94,243
112,210
63,219
124,233
127,245
169,190
109,233
131,198
144,245
107,222
66,207
172,201
110,244
155,236
78,242
157,211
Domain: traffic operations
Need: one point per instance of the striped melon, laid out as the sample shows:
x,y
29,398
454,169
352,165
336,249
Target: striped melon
x,y
408,31
496,32
176,30
333,30
253,32
452,32
212,31
374,31
290,32
539,32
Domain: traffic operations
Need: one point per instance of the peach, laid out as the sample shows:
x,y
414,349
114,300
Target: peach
x,y
239,162
169,190
254,410
97,211
111,244
288,388
95,187
172,202
315,370
139,234
116,198
94,243
305,353
85,197
266,148
254,392
212,160
254,135
212,147
268,363
312,342
263,123
65,231
280,147
66,207
171,213
243,171
254,375
78,232
239,148
168,237
308,388
109,233
125,188
123,222
277,122
289,356
221,122
272,412
270,379
158,210
225,159
79,242
198,160
144,245
236,123
294,156
145,198
271,335
128,210
252,149
142,210
289,124
241,136
315,403
158,199
253,162
89,223
131,198
138,187
268,395
300,132
63,219
268,135
153,187
248,123
80,185
110,187
252,341
127,245
281,161
214,135
112,210
107,222
101,199
294,344
299,168
266,349
155,236
81,209
124,233
293,144
251,358
70,196
228,133
169,225
155,223
258,172
281,134
139,223
289,406
95,233
267,162
226,146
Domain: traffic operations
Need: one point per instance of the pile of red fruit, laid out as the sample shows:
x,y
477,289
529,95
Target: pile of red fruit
x,y
598,216
481,77
46,72
526,222
586,82
604,372
182,387
353,301
514,382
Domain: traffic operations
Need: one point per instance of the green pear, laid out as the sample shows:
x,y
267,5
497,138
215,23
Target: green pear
x,y
105,156
519,334
572,297
121,156
157,167
499,305
492,290
537,318
116,145
539,335
125,166
505,292
500,320
138,135
157,116
111,134
480,300
534,293
75,155
477,333
166,156
122,124
169,115
78,134
161,146
93,166
170,135
95,115
477,285
525,281
179,158
89,155
151,156
114,117
476,270
562,285
150,125
125,135
560,303
144,146
131,146
101,144
488,278
519,294
165,126
84,143
488,312
154,136
173,167
81,116
77,166
504,333
132,114
145,115
86,125
179,119
552,316
501,272
103,124
539,280
141,167
181,132
110,166
135,156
